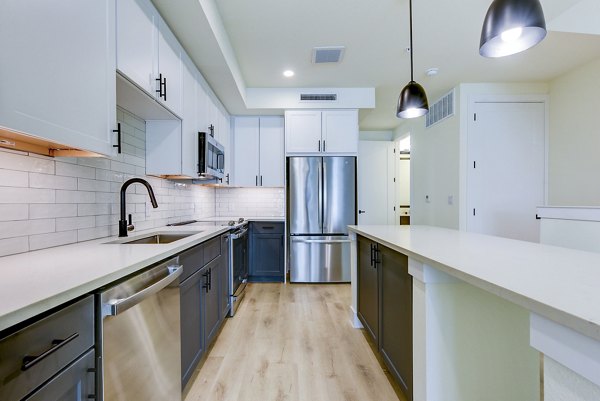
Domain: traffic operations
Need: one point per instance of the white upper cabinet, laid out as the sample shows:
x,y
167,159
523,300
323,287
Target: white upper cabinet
x,y
246,148
149,54
272,156
137,35
316,131
57,74
225,139
339,131
303,131
189,123
259,151
170,69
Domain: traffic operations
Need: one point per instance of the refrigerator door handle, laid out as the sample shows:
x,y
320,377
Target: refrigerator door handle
x,y
321,241
320,189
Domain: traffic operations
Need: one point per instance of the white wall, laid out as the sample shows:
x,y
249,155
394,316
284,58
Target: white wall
x,y
46,202
574,161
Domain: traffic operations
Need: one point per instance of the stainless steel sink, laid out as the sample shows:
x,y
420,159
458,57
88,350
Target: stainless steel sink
x,y
156,238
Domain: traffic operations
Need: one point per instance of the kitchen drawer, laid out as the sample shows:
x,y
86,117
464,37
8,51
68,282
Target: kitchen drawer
x,y
192,261
35,353
212,249
263,227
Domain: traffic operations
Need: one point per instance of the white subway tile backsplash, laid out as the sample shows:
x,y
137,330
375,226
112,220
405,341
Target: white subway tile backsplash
x,y
14,212
12,178
85,184
42,241
74,170
26,195
93,209
51,210
96,162
74,223
37,180
21,162
20,228
86,234
251,202
108,175
75,196
11,246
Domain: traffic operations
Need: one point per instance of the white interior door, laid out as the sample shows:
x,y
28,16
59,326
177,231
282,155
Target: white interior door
x,y
373,182
506,172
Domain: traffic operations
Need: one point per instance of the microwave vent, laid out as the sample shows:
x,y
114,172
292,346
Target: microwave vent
x,y
318,97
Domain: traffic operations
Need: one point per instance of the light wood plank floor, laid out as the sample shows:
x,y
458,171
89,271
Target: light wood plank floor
x,y
292,342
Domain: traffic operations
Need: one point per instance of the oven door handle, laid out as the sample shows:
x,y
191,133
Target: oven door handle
x,y
239,234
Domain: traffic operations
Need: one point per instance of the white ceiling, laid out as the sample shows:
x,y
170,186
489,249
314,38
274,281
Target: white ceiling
x,y
269,36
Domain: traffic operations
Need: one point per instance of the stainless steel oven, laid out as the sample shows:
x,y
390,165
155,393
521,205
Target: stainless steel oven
x,y
238,259
211,157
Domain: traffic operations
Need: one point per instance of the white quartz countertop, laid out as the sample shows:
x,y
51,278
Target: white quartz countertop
x,y
559,283
34,282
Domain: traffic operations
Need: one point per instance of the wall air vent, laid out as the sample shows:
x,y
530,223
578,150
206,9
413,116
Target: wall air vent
x,y
318,97
330,54
440,110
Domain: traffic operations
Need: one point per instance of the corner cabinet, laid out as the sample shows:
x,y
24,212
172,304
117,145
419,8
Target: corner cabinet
x,y
321,131
266,252
385,307
258,151
57,75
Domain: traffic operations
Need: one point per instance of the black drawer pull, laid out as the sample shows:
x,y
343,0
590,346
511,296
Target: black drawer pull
x,y
30,361
268,227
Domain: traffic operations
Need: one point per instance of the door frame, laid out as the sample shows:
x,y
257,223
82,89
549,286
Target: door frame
x,y
466,122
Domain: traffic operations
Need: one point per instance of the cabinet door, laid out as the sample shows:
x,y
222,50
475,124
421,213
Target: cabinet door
x,y
57,74
368,289
192,334
170,66
211,300
272,153
266,263
340,131
189,123
303,131
246,148
396,317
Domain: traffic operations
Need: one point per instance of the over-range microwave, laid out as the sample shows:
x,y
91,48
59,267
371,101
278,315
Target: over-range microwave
x,y
211,157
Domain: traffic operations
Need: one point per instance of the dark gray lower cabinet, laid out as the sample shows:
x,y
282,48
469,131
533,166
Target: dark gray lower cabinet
x,y
368,288
396,317
385,307
266,251
204,300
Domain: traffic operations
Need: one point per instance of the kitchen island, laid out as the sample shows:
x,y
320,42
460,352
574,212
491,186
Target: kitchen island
x,y
480,303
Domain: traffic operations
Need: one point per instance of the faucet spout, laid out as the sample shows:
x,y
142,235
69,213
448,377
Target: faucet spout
x,y
126,184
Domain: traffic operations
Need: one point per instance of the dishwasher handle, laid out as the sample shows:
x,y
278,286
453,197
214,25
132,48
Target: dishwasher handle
x,y
117,306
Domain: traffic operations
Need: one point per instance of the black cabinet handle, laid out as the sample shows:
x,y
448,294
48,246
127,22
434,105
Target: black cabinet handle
x,y
205,285
323,145
210,278
268,227
372,253
256,181
319,145
162,87
376,259
32,360
261,180
361,211
118,131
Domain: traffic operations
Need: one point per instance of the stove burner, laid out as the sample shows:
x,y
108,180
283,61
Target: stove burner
x,y
231,223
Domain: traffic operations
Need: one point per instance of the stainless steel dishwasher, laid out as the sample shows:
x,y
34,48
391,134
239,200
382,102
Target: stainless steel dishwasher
x,y
139,336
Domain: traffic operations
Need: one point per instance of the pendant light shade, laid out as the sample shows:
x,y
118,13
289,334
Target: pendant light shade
x,y
412,101
511,26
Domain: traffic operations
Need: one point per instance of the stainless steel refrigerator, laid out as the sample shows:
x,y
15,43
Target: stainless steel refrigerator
x,y
321,203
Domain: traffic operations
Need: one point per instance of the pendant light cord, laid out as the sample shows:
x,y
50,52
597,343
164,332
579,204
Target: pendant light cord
x,y
411,40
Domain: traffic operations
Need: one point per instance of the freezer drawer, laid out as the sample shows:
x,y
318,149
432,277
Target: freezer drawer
x,y
319,259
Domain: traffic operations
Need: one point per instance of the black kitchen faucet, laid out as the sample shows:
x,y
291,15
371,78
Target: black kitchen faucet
x,y
123,226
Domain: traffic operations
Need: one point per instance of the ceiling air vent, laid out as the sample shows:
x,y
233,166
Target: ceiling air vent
x,y
330,54
440,110
318,97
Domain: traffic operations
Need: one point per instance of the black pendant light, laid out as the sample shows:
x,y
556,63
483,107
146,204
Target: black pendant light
x,y
413,99
511,26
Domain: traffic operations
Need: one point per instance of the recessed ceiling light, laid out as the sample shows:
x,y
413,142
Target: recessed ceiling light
x,y
288,73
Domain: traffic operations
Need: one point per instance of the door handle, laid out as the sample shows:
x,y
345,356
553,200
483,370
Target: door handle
x,y
118,131
361,211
